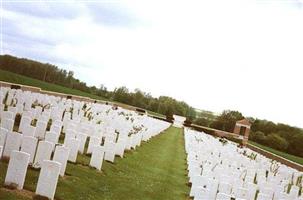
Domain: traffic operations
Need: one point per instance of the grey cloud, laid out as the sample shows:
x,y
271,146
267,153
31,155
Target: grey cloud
x,y
112,14
44,9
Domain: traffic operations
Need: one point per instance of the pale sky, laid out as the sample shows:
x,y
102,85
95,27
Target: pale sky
x,y
244,55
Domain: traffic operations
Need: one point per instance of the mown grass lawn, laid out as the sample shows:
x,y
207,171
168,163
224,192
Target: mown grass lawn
x,y
279,153
155,170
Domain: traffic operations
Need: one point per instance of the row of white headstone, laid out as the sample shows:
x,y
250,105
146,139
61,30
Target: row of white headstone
x,y
219,170
44,119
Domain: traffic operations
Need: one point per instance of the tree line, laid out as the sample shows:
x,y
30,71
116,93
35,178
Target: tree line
x,y
279,136
53,74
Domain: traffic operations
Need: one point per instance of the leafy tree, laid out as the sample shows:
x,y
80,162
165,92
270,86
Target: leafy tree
x,y
296,145
227,120
258,137
275,141
202,121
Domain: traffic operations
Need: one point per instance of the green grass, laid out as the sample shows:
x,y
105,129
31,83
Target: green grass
x,y
279,153
156,170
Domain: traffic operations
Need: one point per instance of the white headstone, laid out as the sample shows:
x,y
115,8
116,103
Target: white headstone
x,y
29,145
110,152
7,124
40,129
73,145
97,157
82,138
44,152
93,141
120,147
17,168
69,134
61,156
25,121
48,178
29,130
52,137
3,134
13,142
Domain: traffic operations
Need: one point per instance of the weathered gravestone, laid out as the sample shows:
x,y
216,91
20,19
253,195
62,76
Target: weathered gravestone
x,y
13,142
48,178
61,156
82,141
109,152
29,145
69,134
97,157
7,124
17,168
73,145
44,152
25,121
40,129
28,130
52,138
93,141
3,134
120,147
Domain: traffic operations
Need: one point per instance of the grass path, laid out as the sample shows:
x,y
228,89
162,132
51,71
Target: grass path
x,y
156,170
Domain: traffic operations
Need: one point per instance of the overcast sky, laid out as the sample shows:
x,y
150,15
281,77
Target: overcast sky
x,y
244,55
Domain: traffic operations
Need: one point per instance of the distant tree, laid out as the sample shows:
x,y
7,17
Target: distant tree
x,y
296,145
277,142
258,137
202,121
227,120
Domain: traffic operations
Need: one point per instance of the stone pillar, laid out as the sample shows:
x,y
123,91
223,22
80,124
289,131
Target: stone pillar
x,y
61,156
247,131
246,136
17,168
97,157
48,178
29,145
237,129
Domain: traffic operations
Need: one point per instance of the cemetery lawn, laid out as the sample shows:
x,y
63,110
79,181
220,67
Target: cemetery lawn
x,y
293,158
155,170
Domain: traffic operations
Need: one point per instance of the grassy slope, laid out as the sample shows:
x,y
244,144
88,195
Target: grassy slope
x,y
24,80
279,153
156,170
19,79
